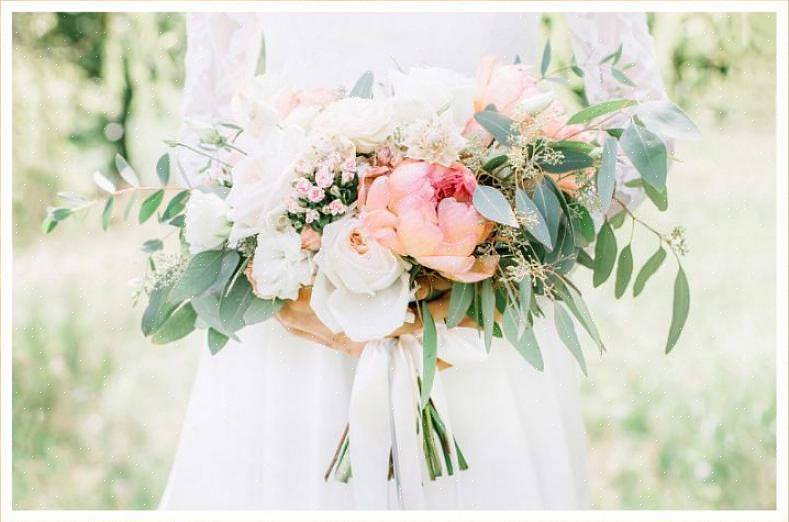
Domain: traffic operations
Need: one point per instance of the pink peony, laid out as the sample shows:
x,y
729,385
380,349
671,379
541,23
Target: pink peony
x,y
423,210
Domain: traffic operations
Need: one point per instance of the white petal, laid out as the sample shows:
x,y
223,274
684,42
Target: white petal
x,y
364,317
321,292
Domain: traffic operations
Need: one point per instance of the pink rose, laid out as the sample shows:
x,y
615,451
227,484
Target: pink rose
x,y
411,212
315,194
302,186
336,207
324,178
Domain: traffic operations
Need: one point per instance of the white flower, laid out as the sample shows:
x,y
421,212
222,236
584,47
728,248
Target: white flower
x,y
367,123
261,103
535,104
262,182
280,267
361,288
425,92
206,223
437,140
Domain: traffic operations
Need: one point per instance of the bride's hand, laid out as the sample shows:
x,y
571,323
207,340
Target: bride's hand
x,y
299,319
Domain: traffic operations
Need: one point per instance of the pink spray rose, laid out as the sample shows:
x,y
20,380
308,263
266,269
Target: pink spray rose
x,y
424,210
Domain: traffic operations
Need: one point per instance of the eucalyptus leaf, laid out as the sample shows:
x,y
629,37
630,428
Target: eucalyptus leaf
x,y
157,311
494,163
104,183
363,88
584,259
176,205
501,127
604,254
549,207
460,299
74,198
536,227
606,175
546,58
130,204
163,168
492,204
577,71
150,205
624,269
525,290
216,341
572,160
488,301
199,275
658,198
600,109
180,324
648,270
621,77
262,309
575,303
429,353
679,314
126,172
566,331
521,336
106,214
152,245
234,304
667,120
647,151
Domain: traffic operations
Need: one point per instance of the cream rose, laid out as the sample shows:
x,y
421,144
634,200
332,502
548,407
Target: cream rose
x,y
206,223
367,123
279,267
423,92
262,182
262,103
361,288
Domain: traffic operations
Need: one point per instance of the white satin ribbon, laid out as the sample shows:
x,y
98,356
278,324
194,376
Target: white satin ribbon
x,y
384,414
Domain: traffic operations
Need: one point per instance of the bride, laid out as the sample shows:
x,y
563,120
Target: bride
x,y
266,413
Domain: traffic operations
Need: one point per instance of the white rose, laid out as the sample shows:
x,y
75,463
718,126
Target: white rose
x,y
261,103
536,104
262,182
280,267
361,287
206,223
367,123
423,92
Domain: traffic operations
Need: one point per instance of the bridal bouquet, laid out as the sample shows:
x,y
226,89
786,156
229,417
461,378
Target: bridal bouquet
x,y
386,198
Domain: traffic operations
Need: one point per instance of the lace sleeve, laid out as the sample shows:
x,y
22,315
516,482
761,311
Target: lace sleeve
x,y
595,36
221,55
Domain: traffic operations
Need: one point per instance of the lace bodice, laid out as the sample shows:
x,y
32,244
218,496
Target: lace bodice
x,y
335,48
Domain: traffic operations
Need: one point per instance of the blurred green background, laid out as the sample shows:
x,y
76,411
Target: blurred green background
x,y
97,410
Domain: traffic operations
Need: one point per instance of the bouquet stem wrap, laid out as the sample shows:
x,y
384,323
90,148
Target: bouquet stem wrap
x,y
384,415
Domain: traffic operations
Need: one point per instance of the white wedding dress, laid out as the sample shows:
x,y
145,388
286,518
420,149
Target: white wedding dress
x,y
266,413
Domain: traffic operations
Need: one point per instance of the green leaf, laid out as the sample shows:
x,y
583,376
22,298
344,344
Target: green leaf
x,y
157,311
488,299
566,331
501,127
180,324
234,305
126,172
150,204
621,77
667,120
680,309
658,198
106,214
429,353
152,245
216,341
229,265
615,56
548,205
648,270
577,71
585,221
460,299
648,154
604,254
593,111
492,204
521,336
130,204
262,309
606,175
539,228
575,302
546,58
573,160
617,220
48,225
525,290
163,168
624,269
176,205
178,221
494,163
363,88
199,275
103,183
584,259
